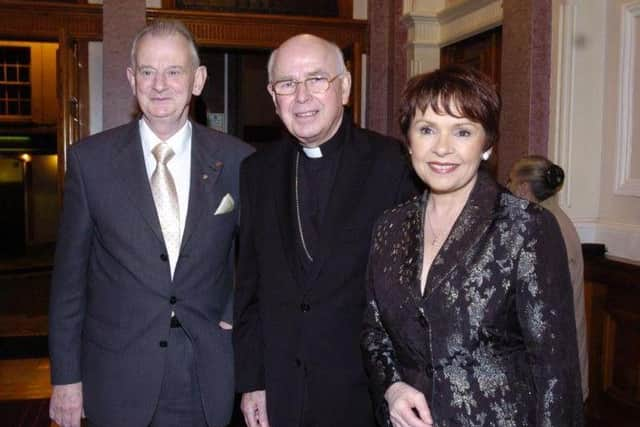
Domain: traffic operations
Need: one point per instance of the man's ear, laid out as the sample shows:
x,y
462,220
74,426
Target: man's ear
x,y
274,97
199,79
131,76
346,87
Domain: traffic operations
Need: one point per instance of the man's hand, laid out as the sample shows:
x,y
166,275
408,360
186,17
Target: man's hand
x,y
65,407
254,408
407,406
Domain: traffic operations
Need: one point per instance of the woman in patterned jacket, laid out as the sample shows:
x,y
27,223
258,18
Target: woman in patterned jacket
x,y
470,317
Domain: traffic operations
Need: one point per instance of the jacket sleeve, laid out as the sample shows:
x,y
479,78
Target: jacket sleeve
x,y
67,301
545,311
247,329
379,355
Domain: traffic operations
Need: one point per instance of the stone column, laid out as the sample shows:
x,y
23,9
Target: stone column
x,y
525,85
121,20
387,65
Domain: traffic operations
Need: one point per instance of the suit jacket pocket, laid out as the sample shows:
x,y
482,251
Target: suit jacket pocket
x,y
101,334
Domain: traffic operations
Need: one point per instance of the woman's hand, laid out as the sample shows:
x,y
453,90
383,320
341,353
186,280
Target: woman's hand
x,y
407,406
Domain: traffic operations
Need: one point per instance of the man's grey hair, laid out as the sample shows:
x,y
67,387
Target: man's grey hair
x,y
334,47
166,28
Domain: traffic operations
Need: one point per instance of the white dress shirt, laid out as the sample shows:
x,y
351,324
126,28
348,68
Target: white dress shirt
x,y
179,166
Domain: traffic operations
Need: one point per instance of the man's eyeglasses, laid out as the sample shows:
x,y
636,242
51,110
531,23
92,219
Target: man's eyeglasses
x,y
315,84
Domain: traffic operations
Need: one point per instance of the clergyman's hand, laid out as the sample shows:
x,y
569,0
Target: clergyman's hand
x,y
407,406
254,408
65,407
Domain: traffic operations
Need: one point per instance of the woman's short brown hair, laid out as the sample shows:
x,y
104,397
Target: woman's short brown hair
x,y
468,91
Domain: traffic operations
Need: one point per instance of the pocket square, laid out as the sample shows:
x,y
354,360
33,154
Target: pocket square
x,y
226,205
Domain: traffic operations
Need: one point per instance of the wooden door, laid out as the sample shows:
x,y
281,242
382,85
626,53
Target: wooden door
x,y
482,51
68,95
353,59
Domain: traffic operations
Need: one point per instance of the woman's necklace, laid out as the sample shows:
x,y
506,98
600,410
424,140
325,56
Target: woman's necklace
x,y
435,238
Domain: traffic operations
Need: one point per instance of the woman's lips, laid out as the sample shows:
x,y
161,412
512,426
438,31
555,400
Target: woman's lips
x,y
442,168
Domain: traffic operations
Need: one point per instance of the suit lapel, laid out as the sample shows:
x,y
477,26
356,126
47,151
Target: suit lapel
x,y
128,162
413,244
353,168
206,167
283,166
467,232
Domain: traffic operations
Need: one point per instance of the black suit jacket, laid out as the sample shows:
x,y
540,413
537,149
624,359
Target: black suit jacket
x,y
492,341
298,338
112,293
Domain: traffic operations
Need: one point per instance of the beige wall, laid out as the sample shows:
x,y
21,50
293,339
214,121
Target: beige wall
x,y
360,9
618,210
588,116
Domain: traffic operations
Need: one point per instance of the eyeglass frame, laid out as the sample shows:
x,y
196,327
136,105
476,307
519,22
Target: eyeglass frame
x,y
297,82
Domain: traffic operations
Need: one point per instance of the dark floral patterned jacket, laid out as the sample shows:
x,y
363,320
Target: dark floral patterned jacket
x,y
492,342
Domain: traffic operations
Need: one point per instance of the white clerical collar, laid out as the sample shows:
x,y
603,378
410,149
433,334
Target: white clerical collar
x,y
312,152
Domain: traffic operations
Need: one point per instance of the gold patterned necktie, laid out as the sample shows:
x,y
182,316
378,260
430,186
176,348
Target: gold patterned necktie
x,y
165,197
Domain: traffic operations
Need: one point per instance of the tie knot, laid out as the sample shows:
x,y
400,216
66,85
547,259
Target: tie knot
x,y
162,152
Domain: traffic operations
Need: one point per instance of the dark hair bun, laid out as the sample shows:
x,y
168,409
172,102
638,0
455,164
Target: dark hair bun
x,y
554,176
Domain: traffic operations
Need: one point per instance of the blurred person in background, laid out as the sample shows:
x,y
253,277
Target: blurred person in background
x,y
537,179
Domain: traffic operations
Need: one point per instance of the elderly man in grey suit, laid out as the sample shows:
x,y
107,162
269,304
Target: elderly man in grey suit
x,y
142,286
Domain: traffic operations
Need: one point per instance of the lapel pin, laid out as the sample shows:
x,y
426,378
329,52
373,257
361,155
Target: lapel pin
x,y
205,176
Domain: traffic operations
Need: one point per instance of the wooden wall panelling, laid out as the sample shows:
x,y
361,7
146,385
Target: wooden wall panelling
x,y
37,20
353,61
33,20
482,51
613,302
262,31
356,82
621,361
345,7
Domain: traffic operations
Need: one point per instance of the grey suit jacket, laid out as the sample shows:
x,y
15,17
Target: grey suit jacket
x,y
112,293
